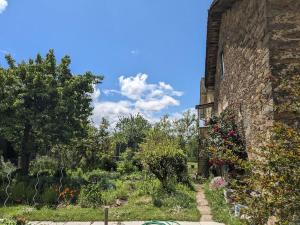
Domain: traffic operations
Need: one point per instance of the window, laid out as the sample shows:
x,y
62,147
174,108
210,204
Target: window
x,y
222,65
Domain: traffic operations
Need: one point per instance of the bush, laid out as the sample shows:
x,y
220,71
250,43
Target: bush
x,y
50,196
44,165
127,164
268,184
21,192
163,157
181,197
98,175
90,196
8,222
108,163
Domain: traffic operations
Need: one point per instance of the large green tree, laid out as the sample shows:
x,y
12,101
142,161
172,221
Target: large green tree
x,y
130,131
43,104
186,130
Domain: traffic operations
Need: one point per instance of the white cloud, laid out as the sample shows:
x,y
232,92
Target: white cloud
x,y
96,94
133,87
140,97
3,5
155,105
110,110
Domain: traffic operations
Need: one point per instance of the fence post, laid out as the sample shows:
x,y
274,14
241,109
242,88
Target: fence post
x,y
106,215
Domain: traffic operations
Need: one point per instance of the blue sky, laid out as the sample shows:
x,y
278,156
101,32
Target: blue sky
x,y
151,52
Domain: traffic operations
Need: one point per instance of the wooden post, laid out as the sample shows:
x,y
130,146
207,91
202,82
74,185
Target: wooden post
x,y
106,215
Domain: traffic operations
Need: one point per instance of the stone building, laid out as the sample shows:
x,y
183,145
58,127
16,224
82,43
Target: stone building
x,y
249,42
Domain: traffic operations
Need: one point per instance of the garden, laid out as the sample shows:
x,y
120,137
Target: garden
x,y
57,165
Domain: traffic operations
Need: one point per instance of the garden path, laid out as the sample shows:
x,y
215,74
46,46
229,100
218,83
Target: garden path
x,y
203,206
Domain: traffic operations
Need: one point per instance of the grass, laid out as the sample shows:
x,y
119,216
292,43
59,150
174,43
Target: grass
x,y
179,206
125,213
220,209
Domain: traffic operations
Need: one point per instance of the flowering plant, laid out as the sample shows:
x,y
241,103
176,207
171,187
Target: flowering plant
x,y
218,183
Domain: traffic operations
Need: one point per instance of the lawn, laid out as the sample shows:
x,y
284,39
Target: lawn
x,y
139,209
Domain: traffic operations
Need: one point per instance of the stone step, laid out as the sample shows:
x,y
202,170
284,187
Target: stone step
x,y
206,218
204,210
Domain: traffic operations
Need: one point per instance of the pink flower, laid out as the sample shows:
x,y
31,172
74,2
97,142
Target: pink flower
x,y
232,133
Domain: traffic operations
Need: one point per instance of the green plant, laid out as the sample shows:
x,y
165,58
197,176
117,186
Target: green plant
x,y
220,210
90,196
8,222
43,165
181,196
163,157
21,192
274,178
126,165
50,196
108,162
43,104
225,145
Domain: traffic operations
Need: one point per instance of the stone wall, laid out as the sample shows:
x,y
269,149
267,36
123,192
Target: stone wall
x,y
284,29
246,87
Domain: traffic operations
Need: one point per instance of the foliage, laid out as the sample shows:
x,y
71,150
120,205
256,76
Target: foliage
x,y
90,196
163,157
129,212
21,192
50,196
217,183
186,131
43,104
181,197
132,130
43,165
225,144
6,167
127,163
8,222
274,179
270,185
107,162
178,205
87,152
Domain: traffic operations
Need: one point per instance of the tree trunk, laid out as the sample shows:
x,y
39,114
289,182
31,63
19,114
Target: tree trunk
x,y
25,150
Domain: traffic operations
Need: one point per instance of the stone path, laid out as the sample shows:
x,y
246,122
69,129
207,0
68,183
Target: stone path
x,y
115,223
203,206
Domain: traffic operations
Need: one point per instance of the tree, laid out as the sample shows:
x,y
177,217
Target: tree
x,y
43,104
163,157
185,129
131,131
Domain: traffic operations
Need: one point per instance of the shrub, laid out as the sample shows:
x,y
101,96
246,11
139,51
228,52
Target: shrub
x,y
98,175
44,165
127,164
8,222
163,157
269,184
274,178
21,192
90,196
50,196
108,163
181,197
